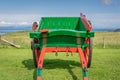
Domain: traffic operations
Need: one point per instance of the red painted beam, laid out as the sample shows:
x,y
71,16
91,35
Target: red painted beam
x,y
59,49
82,58
39,78
41,58
44,31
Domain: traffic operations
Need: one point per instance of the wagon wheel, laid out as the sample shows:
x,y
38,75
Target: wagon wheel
x,y
88,52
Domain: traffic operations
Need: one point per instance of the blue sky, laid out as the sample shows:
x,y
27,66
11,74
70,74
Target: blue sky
x,y
102,13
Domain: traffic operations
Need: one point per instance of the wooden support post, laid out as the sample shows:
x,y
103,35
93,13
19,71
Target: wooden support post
x,y
84,64
0,37
0,40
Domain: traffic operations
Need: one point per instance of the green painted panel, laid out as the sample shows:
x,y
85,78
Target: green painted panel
x,y
60,23
62,32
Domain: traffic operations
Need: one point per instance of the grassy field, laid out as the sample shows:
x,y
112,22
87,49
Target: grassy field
x,y
17,64
112,40
19,38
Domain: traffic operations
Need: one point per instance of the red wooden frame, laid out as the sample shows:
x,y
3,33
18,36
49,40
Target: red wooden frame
x,y
41,54
44,31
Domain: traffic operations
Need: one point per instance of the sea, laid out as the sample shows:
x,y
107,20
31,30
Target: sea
x,y
4,30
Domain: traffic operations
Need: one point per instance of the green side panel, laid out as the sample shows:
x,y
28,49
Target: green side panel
x,y
35,35
60,23
80,26
67,32
73,33
62,32
61,41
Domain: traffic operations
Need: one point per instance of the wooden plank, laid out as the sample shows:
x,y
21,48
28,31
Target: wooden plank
x,y
12,44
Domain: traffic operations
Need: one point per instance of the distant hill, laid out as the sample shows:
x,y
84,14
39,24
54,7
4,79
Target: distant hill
x,y
117,30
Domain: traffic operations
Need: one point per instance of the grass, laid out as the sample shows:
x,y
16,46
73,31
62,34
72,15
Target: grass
x,y
17,64
112,39
19,38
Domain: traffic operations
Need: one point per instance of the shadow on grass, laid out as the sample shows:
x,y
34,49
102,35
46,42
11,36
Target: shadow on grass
x,y
28,64
53,64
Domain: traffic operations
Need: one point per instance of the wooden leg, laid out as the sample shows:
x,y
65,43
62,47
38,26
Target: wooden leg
x,y
84,64
40,64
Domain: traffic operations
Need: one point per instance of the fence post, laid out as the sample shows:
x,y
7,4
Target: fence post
x,y
103,42
0,40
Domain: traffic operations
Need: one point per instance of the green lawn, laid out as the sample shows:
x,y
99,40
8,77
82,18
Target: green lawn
x,y
17,64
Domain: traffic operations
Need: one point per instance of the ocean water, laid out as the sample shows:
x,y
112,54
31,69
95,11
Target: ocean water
x,y
4,30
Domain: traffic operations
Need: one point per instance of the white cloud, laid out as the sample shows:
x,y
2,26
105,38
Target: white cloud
x,y
24,24
107,2
105,20
4,23
18,19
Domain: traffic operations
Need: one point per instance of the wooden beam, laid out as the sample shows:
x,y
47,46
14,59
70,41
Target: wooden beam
x,y
12,44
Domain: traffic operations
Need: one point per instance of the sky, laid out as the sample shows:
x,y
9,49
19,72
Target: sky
x,y
101,13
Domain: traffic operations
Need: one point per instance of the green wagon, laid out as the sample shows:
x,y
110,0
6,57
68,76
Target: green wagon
x,y
62,34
